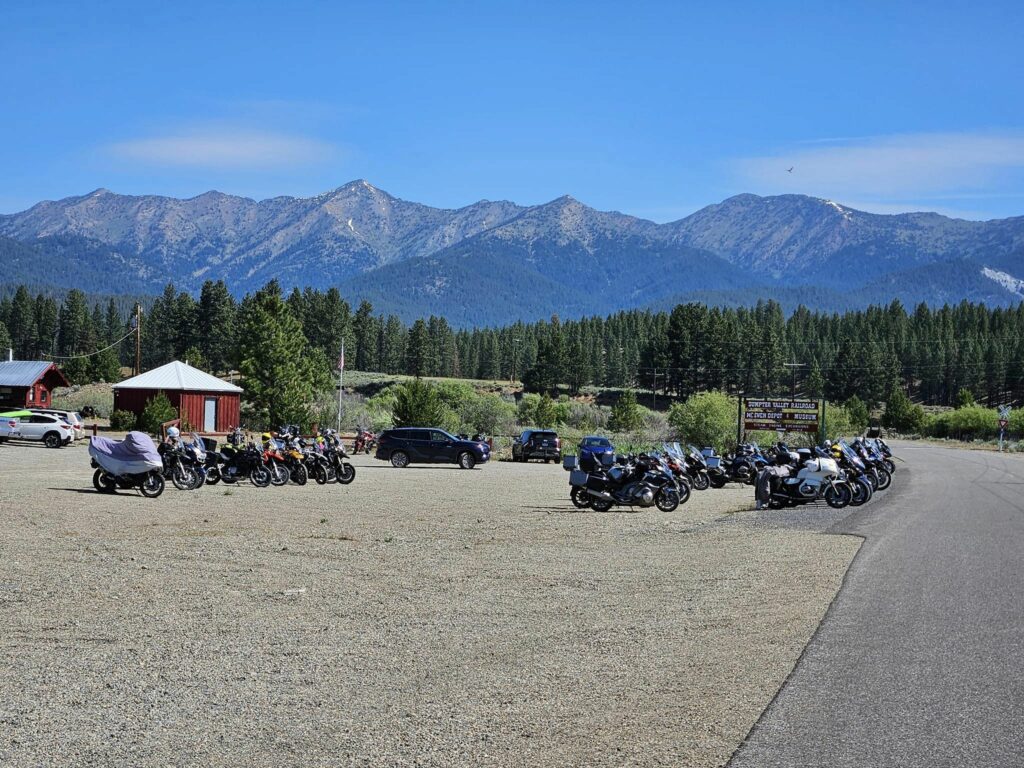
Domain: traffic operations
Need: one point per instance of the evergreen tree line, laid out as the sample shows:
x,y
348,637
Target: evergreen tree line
x,y
931,354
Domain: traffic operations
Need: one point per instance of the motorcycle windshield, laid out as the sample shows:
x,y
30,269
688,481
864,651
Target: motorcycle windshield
x,y
198,447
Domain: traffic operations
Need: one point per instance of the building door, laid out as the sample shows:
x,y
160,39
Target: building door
x,y
210,414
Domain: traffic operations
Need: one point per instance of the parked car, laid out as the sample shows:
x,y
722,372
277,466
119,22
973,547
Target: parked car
x,y
71,417
592,448
51,430
416,445
537,444
10,426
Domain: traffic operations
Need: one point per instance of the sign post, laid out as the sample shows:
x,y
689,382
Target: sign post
x,y
1004,420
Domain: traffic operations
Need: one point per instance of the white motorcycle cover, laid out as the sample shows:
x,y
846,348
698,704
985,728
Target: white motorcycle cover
x,y
133,455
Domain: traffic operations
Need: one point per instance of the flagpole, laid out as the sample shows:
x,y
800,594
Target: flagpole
x,y
341,377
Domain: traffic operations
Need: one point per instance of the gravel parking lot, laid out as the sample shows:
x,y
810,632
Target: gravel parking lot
x,y
420,617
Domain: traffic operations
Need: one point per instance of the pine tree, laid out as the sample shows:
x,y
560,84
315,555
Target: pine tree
x,y
417,404
417,350
22,324
216,319
280,372
365,328
626,415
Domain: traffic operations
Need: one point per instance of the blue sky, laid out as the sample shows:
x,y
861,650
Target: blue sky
x,y
653,109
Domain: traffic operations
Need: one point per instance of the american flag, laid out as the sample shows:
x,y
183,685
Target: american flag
x,y
341,358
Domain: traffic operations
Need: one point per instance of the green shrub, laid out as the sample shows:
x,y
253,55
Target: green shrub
x,y
157,411
707,418
967,423
122,421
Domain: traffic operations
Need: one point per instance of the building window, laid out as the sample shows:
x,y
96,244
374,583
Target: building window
x,y
42,396
31,394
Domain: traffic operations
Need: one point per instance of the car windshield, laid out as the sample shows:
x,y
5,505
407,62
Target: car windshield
x,y
602,442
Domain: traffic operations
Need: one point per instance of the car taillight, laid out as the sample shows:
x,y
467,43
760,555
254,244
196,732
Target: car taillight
x,y
558,442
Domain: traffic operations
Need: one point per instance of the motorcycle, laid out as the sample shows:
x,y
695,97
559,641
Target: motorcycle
x,y
293,457
641,482
817,477
742,466
365,442
178,467
341,468
274,459
130,463
242,460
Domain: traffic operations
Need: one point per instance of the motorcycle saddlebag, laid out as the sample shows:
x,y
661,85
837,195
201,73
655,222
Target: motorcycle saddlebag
x,y
570,462
577,477
596,483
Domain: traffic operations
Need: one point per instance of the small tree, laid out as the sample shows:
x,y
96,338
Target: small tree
x,y
157,411
417,404
546,415
901,414
858,414
626,415
965,398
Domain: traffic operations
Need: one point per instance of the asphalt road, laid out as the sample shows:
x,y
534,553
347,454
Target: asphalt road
x,y
920,658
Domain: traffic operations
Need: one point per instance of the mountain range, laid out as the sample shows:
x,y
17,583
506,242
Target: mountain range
x,y
495,262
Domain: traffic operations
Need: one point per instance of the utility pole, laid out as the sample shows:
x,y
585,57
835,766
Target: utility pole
x,y
654,391
515,357
341,378
137,322
792,367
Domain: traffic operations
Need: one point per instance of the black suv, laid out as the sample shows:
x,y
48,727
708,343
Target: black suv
x,y
418,445
537,444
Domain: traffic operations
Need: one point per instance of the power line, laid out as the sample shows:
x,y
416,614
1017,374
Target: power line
x,y
89,354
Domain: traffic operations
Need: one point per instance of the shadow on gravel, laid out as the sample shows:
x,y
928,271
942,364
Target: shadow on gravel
x,y
90,491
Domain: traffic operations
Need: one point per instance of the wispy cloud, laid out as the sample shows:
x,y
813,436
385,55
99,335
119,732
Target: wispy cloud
x,y
893,171
226,149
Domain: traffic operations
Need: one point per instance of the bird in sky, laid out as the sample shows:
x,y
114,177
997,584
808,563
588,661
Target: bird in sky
x,y
790,169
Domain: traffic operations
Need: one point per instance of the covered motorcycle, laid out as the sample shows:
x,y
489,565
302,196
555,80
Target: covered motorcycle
x,y
130,463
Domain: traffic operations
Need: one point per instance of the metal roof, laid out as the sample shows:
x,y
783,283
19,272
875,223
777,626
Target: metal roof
x,y
177,375
22,373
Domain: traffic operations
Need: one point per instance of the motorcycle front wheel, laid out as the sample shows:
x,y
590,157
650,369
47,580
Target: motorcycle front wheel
x,y
346,474
716,481
701,482
212,475
260,476
684,490
579,498
667,500
299,475
320,474
838,496
152,486
184,479
884,479
278,473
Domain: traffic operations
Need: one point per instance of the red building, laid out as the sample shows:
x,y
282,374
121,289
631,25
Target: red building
x,y
29,383
204,401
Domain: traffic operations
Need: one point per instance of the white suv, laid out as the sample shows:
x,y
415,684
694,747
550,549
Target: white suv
x,y
52,430
71,417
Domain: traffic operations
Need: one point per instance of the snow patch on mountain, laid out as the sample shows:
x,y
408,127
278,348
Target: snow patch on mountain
x,y
1009,282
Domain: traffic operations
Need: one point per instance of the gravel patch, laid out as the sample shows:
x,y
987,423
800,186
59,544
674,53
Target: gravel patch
x,y
420,617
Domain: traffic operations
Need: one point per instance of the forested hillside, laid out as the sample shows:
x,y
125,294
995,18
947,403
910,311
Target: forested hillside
x,y
930,353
